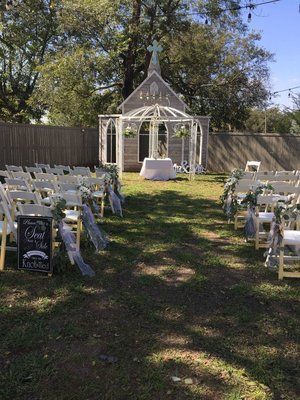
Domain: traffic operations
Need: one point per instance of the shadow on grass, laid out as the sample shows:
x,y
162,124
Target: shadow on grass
x,y
176,294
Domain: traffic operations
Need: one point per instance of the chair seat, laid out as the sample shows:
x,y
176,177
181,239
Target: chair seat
x,y
265,216
98,194
291,237
8,230
46,201
71,216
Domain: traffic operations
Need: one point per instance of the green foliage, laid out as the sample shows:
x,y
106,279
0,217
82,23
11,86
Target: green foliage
x,y
182,132
73,60
28,32
250,200
228,198
58,209
273,120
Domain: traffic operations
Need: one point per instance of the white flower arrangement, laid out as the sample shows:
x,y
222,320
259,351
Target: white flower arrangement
x,y
129,132
182,132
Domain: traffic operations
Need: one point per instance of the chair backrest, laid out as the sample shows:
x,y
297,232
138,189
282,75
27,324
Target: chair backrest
x,y
21,196
266,202
13,168
21,175
284,178
72,199
33,169
96,182
5,173
264,176
17,184
45,176
6,213
282,187
42,166
65,168
45,186
3,196
249,175
290,173
83,171
252,165
34,209
68,179
55,171
100,173
67,187
246,184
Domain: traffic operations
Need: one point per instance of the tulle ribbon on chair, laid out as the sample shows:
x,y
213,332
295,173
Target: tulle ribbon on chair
x,y
74,254
250,227
96,234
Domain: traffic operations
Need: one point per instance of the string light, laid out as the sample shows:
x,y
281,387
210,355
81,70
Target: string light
x,y
286,90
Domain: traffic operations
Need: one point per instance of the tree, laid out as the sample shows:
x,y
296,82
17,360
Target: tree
x,y
219,73
26,35
95,55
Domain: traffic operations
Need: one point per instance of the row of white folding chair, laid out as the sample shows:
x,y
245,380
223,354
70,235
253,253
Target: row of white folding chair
x,y
18,202
267,175
7,228
281,191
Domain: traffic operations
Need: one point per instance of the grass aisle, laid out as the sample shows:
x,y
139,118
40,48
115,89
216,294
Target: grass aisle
x,y
180,308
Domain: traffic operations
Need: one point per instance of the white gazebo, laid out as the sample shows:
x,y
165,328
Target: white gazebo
x,y
152,118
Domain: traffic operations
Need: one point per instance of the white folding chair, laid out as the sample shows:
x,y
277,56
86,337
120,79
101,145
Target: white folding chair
x,y
97,186
83,171
5,174
54,171
264,215
17,184
45,176
71,179
72,212
42,166
22,175
289,253
252,166
45,189
31,170
13,168
66,168
7,228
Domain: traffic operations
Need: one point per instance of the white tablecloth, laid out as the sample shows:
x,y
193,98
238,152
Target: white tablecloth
x,y
158,170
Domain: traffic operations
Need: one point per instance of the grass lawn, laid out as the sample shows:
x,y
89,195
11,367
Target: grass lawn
x,y
180,308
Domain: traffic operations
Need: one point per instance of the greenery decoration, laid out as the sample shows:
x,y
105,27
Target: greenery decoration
x,y
250,200
58,209
182,132
129,132
228,199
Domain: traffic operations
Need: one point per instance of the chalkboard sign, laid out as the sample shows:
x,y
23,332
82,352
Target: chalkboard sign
x,y
35,243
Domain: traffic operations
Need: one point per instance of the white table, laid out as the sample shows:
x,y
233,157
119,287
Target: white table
x,y
158,170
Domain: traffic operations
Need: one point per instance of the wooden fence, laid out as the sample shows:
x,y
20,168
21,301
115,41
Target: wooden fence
x,y
231,150
22,144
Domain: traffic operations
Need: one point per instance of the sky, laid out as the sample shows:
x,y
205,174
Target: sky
x,y
279,25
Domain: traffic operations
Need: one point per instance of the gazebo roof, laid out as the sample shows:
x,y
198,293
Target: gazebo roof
x,y
163,113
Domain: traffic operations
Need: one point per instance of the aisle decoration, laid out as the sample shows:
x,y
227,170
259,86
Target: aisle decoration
x,y
229,199
250,202
286,214
97,236
68,237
